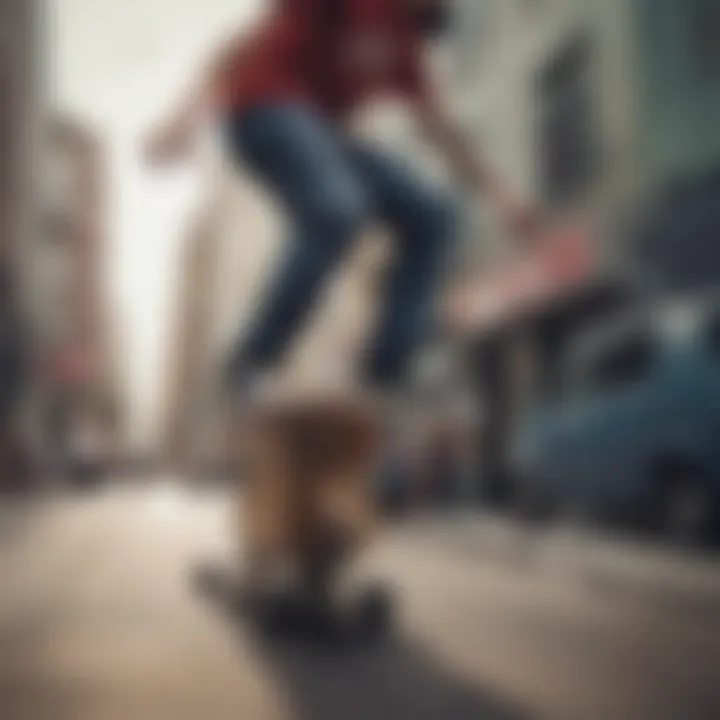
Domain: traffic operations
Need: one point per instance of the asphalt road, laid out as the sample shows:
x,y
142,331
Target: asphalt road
x,y
99,621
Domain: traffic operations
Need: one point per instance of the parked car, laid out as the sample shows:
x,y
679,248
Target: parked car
x,y
636,431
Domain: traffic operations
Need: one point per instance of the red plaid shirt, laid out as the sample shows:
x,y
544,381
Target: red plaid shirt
x,y
370,48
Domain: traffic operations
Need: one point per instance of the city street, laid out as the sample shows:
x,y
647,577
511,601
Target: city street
x,y
99,621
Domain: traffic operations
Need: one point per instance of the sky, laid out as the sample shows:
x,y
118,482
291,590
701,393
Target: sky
x,y
118,65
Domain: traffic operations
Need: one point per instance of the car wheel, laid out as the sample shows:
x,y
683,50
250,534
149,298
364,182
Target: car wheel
x,y
687,506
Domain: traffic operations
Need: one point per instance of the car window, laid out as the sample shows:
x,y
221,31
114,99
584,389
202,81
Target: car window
x,y
620,364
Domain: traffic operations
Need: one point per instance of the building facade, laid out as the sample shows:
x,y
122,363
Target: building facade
x,y
21,92
189,351
70,314
591,108
588,106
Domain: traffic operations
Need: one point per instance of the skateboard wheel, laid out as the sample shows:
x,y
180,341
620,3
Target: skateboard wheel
x,y
209,580
219,585
373,612
294,614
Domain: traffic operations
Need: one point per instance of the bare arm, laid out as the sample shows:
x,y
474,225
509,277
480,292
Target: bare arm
x,y
468,164
178,131
463,158
209,87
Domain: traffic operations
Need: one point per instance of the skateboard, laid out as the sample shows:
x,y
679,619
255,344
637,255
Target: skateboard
x,y
305,505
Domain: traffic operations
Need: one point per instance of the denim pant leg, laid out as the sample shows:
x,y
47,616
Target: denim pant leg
x,y
423,225
304,165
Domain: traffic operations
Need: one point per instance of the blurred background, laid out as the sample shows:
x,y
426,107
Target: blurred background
x,y
585,375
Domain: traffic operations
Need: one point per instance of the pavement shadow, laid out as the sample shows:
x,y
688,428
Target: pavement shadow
x,y
389,679
393,681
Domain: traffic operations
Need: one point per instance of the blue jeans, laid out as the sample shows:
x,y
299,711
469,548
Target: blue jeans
x,y
332,187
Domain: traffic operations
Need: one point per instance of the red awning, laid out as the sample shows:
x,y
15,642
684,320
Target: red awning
x,y
558,266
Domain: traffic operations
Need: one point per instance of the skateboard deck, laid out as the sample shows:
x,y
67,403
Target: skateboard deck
x,y
289,612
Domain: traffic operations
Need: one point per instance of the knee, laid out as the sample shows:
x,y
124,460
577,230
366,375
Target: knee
x,y
433,229
338,216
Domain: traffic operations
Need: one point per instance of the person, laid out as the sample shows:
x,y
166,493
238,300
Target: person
x,y
285,95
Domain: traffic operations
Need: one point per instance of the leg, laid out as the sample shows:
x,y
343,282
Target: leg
x,y
423,223
301,161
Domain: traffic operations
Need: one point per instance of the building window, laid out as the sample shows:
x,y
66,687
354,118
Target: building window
x,y
566,129
705,34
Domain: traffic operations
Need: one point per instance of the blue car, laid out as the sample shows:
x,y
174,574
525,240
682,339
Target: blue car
x,y
636,430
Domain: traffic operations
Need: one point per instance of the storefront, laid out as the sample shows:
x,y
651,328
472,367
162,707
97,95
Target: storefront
x,y
516,324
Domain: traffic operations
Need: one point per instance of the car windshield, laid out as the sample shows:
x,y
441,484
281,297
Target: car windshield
x,y
613,357
619,351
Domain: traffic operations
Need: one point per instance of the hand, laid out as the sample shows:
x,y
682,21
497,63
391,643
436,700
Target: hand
x,y
524,221
168,144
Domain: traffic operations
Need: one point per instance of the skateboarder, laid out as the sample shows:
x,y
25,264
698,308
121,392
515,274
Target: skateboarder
x,y
284,94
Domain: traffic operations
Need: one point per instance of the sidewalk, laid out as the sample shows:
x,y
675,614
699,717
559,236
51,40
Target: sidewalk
x,y
601,561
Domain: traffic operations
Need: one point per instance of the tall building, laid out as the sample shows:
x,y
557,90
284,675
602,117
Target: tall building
x,y
589,105
20,98
591,108
70,314
190,345
21,90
